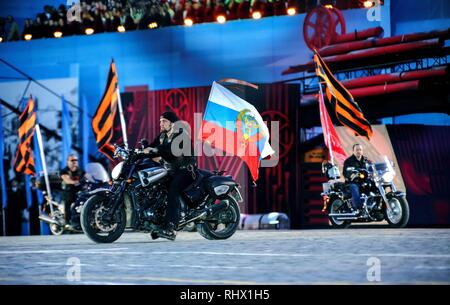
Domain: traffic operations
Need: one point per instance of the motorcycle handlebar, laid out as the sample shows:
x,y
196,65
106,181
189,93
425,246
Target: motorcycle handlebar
x,y
126,153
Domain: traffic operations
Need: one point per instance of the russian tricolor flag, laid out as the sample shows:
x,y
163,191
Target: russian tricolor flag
x,y
235,126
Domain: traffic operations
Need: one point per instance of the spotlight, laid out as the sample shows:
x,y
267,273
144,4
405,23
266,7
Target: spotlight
x,y
257,9
188,22
256,15
368,4
1,39
89,31
152,25
220,14
221,19
291,11
329,6
121,29
291,8
28,36
57,34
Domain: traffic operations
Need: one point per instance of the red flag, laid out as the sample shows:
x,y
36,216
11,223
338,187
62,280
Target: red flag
x,y
331,138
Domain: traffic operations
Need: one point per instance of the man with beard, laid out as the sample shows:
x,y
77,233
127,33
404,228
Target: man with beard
x,y
181,167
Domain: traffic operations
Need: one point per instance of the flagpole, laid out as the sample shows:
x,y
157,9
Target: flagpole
x,y
44,165
123,124
4,220
122,119
3,194
330,148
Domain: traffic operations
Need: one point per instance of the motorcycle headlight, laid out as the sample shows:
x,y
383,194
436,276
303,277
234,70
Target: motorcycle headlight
x,y
388,177
221,189
117,170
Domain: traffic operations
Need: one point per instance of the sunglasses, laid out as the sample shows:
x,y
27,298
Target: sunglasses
x,y
73,160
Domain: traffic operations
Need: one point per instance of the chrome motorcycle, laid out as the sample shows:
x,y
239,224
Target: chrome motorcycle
x,y
138,199
53,209
379,195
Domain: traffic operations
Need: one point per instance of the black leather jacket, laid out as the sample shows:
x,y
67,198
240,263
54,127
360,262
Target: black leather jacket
x,y
163,144
351,164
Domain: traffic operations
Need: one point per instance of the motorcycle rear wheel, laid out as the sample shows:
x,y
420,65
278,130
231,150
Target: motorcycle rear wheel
x,y
91,214
334,207
222,225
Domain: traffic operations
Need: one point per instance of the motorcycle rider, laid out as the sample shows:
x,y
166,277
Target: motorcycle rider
x,y
182,167
71,176
352,164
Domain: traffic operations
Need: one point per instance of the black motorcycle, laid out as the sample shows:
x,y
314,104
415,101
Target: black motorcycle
x,y
138,199
381,200
53,209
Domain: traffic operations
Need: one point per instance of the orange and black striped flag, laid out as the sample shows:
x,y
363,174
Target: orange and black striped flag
x,y
347,110
24,161
103,121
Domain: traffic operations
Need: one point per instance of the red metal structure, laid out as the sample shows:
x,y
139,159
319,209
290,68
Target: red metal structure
x,y
386,83
359,35
370,66
373,55
342,48
385,89
395,77
322,25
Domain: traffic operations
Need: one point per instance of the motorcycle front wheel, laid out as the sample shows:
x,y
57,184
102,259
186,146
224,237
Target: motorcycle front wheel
x,y
223,224
398,214
95,223
335,208
56,229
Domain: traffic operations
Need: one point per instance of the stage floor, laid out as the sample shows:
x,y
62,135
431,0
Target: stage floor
x,y
358,255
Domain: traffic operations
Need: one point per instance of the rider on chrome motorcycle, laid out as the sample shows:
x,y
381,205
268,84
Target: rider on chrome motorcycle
x,y
54,210
378,197
352,166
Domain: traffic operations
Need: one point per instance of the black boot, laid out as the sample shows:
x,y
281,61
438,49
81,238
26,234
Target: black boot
x,y
168,232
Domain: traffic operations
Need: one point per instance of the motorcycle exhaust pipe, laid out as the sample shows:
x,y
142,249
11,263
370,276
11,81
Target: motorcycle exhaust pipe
x,y
215,208
347,218
202,215
342,214
48,219
208,212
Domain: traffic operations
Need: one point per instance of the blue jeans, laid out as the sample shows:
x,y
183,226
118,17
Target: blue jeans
x,y
356,196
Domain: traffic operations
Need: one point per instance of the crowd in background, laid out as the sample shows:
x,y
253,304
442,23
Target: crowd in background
x,y
18,218
88,17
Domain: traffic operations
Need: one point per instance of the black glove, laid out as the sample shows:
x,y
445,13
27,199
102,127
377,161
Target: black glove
x,y
153,151
354,175
144,143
